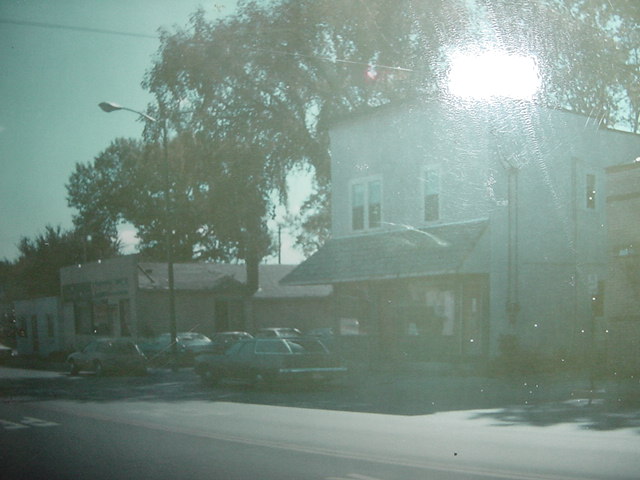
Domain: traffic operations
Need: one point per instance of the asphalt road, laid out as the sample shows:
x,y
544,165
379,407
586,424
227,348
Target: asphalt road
x,y
59,427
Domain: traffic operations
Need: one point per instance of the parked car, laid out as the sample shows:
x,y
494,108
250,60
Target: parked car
x,y
265,360
223,340
280,332
325,335
108,355
5,353
189,344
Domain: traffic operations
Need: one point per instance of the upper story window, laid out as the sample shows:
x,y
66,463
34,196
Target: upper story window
x,y
366,204
431,193
591,191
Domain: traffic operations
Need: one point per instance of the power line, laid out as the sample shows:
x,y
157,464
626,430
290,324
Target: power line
x,y
334,60
155,37
75,29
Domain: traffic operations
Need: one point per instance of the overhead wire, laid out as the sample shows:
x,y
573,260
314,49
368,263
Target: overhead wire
x,y
155,37
74,28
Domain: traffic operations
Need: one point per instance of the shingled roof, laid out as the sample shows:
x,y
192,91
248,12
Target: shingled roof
x,y
407,252
216,277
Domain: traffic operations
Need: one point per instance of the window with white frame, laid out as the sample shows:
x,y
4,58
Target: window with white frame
x,y
431,193
366,204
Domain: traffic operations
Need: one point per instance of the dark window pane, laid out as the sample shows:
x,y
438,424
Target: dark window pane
x,y
375,211
374,215
357,218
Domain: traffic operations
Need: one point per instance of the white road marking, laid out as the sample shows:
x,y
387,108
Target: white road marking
x,y
27,422
352,476
11,425
36,422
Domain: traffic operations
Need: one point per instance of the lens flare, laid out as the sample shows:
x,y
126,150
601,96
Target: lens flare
x,y
493,74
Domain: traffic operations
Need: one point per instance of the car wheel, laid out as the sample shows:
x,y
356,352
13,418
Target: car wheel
x,y
98,368
73,368
209,377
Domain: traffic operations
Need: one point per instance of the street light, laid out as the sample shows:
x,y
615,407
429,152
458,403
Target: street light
x,y
112,107
173,330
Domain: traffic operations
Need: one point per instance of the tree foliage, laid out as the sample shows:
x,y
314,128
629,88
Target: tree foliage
x,y
126,183
36,272
102,191
587,52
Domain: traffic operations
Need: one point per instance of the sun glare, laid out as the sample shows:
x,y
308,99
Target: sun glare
x,y
493,74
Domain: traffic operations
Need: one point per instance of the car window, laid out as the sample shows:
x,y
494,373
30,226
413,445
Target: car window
x,y
306,346
234,349
271,346
123,348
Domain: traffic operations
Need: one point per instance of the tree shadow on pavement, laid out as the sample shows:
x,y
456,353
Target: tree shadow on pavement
x,y
595,416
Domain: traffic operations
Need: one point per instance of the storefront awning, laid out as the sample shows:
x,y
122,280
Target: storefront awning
x,y
406,252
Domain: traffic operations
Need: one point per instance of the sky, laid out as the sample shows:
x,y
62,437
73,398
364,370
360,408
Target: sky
x,y
58,61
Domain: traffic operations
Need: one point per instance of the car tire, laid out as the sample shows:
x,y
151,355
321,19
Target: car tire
x,y
98,368
73,368
209,377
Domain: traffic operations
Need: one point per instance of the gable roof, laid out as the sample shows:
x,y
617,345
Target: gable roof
x,y
216,277
410,252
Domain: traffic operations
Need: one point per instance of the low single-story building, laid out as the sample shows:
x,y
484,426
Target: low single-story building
x,y
41,329
125,296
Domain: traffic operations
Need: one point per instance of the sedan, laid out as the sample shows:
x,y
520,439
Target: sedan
x,y
108,355
265,360
5,353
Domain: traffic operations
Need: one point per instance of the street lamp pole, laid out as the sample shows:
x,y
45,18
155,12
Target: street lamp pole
x,y
173,330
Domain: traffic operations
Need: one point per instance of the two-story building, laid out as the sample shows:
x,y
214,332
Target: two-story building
x,y
453,227
622,299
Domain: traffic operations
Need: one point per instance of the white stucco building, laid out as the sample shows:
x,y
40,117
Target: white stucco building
x,y
454,226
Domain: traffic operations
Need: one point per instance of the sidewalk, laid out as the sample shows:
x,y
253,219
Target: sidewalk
x,y
422,387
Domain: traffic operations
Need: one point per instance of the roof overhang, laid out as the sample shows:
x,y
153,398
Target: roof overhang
x,y
403,253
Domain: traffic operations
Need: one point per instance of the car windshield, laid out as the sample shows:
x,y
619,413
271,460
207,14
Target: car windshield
x,y
193,338
425,214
